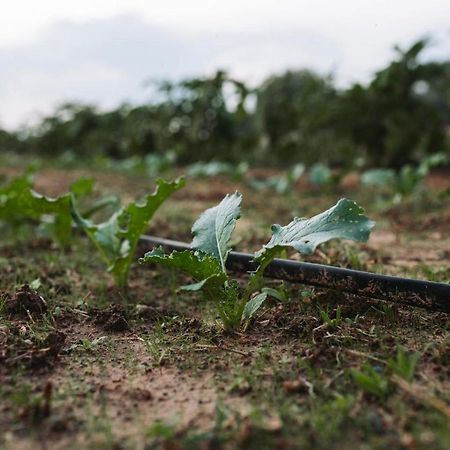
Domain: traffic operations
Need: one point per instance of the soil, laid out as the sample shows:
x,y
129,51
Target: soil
x,y
84,365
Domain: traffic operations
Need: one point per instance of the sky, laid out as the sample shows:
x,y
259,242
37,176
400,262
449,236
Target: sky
x,y
103,52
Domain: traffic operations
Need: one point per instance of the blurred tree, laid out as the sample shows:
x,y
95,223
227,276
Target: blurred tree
x,y
9,141
83,130
400,116
296,112
208,118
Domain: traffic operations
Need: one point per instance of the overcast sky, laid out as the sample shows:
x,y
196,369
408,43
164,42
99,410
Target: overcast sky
x,y
102,51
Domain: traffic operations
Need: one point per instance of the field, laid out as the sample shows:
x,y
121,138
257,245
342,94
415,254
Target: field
x,y
90,366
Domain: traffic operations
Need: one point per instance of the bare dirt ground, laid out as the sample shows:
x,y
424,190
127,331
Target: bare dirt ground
x,y
85,366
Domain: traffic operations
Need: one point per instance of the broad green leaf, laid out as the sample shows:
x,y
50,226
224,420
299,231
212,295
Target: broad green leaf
x,y
108,201
82,187
408,180
202,267
320,175
30,204
253,305
282,184
103,235
156,164
22,203
428,163
117,237
383,178
209,169
19,183
18,202
212,230
9,194
206,270
345,220
286,182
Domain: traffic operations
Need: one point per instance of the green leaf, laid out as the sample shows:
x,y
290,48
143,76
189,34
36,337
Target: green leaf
x,y
21,182
9,194
212,230
282,184
320,175
345,220
279,294
381,178
117,238
434,160
253,305
19,202
209,169
371,381
287,181
36,284
202,267
109,201
30,204
404,365
82,187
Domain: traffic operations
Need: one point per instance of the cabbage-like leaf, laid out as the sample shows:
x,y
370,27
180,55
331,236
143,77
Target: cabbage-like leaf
x,y
202,267
381,178
18,202
212,230
9,194
82,187
320,175
117,238
32,205
282,184
345,220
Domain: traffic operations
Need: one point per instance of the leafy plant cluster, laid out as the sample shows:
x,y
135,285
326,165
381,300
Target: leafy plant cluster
x,y
116,238
398,118
376,382
206,262
390,184
404,182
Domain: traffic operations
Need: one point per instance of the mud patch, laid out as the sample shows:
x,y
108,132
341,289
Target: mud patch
x,y
114,318
19,348
25,302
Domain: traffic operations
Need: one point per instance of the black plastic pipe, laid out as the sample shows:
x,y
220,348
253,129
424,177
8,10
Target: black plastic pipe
x,y
424,294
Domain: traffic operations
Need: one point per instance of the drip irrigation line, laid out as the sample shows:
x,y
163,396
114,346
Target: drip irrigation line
x,y
423,294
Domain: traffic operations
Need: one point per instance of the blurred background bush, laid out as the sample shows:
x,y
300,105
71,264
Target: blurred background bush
x,y
401,116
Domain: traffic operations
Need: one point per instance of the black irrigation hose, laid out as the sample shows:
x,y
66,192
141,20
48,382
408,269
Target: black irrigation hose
x,y
424,294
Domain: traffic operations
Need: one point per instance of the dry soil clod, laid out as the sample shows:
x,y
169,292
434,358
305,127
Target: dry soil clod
x,y
26,302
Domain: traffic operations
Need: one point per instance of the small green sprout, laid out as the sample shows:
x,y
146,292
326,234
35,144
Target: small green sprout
x,y
404,364
371,380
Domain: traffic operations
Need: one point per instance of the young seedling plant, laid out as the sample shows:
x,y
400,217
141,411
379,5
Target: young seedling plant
x,y
20,203
206,262
117,238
